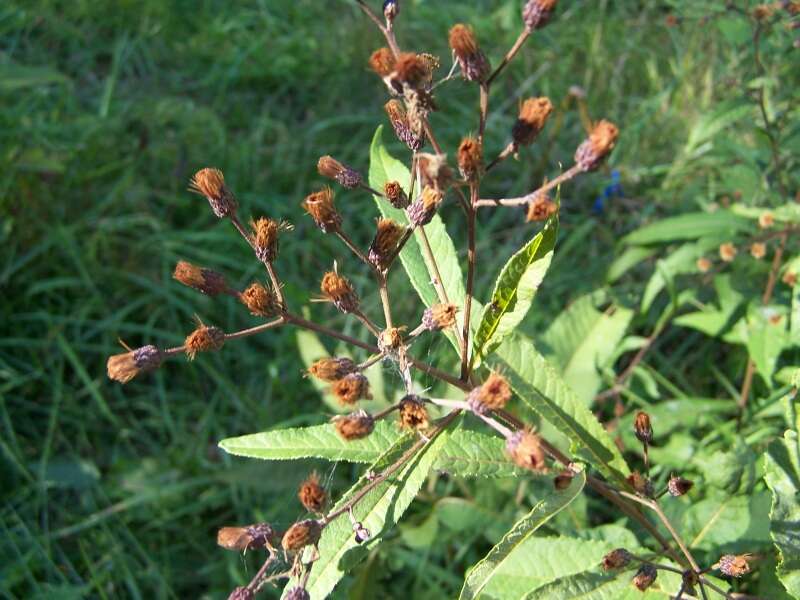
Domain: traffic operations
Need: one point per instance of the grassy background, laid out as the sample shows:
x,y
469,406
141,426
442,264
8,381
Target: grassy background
x,y
108,107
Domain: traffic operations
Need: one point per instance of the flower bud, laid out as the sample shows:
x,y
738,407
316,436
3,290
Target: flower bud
x,y
593,151
332,169
536,13
473,62
789,278
204,339
351,388
297,593
391,8
541,208
332,369
312,495
533,115
616,559
265,239
395,194
525,449
470,159
362,534
734,565
703,264
382,61
354,426
339,291
245,538
766,220
758,250
422,210
645,577
260,301
385,242
301,534
727,252
678,486
413,414
321,208
439,316
211,184
642,428
124,367
493,394
206,281
398,117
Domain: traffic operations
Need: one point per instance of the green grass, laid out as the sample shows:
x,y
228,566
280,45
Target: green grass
x,y
107,108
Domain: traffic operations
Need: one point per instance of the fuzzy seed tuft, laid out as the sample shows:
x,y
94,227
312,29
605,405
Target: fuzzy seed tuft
x,y
124,367
312,495
493,394
339,291
533,115
204,339
332,369
211,184
541,208
351,388
470,159
536,13
260,301
354,426
525,449
413,414
645,577
593,151
203,280
301,534
616,559
385,242
322,209
332,169
439,316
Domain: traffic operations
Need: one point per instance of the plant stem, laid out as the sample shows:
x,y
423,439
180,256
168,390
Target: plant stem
x,y
306,324
471,256
565,176
523,36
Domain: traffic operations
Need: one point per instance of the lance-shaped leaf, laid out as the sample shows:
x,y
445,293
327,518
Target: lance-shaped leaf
x,y
514,290
540,386
486,574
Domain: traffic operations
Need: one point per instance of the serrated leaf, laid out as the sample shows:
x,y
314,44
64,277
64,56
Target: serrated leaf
x,y
690,226
540,386
782,474
514,290
606,586
482,575
475,454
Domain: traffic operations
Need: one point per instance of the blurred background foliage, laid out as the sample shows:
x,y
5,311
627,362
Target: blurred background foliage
x,y
108,107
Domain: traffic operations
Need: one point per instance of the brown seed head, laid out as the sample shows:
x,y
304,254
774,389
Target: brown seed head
x,y
354,426
541,208
211,184
204,339
789,278
411,69
703,264
470,158
536,13
332,169
312,495
260,301
382,61
493,394
245,538
422,210
758,250
332,369
206,281
385,242
642,428
533,115
525,449
265,238
727,252
339,291
402,126
301,534
321,208
434,170
241,593
351,388
473,62
601,142
645,577
793,8
616,559
413,414
126,366
395,194
678,486
766,220
439,316
762,12
297,593
641,484
391,339
734,565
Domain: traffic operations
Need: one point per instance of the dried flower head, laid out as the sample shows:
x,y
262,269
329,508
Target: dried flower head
x,y
322,209
301,534
245,538
413,414
678,486
312,495
789,278
758,250
727,252
351,388
533,115
354,426
211,184
439,316
391,339
204,339
260,301
562,480
593,151
395,194
641,484
525,449
766,220
642,428
645,577
332,169
384,244
382,61
473,62
703,264
422,210
203,280
297,593
241,593
339,291
434,171
616,559
412,69
493,394
541,208
734,565
265,238
126,366
470,158
536,13
763,11
332,369
398,117
391,8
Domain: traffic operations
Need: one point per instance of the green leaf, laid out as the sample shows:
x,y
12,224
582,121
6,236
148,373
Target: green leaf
x,y
475,454
379,510
606,586
690,226
794,325
510,548
738,523
782,475
514,290
631,257
766,336
538,384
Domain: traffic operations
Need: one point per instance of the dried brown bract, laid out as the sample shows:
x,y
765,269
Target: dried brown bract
x,y
265,238
384,244
211,184
439,316
533,115
203,280
351,388
592,152
312,495
412,69
536,13
322,209
339,291
493,394
525,449
332,369
541,208
413,414
395,194
470,159
204,339
642,428
382,61
260,301
354,426
301,534
473,62
124,367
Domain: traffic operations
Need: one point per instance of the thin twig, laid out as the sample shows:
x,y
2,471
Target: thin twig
x,y
471,258
565,176
509,55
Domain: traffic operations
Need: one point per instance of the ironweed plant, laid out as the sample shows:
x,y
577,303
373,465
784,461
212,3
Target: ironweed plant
x,y
474,429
